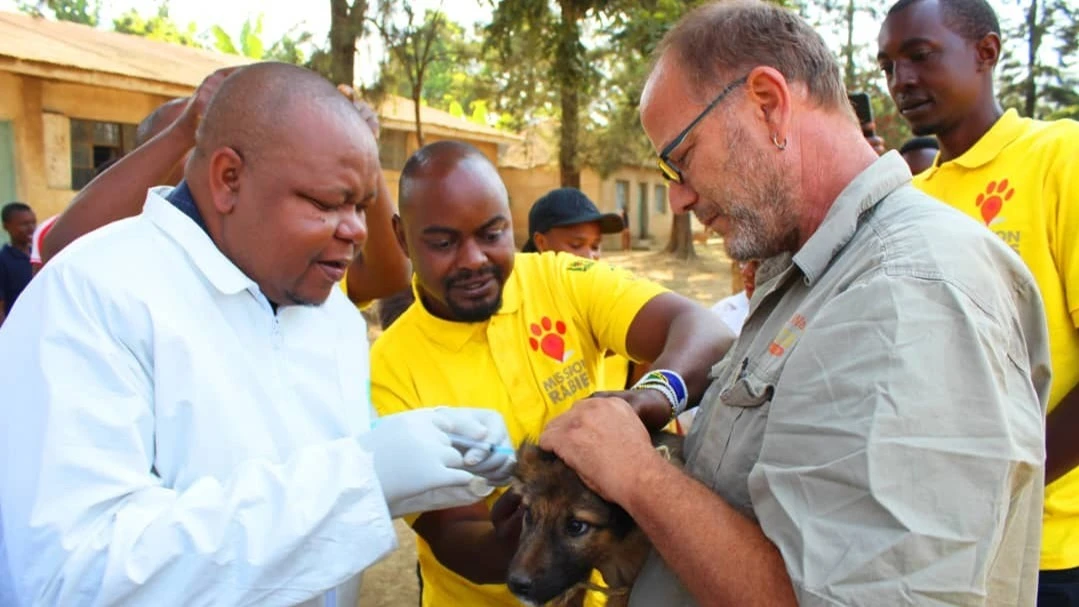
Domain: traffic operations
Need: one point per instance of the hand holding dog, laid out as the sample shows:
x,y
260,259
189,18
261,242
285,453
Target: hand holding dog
x,y
604,441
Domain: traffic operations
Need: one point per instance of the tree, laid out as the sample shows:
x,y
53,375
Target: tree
x,y
560,39
250,43
633,34
86,12
1036,80
158,27
346,26
413,48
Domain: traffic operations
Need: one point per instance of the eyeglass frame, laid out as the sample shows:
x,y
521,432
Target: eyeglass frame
x,y
667,167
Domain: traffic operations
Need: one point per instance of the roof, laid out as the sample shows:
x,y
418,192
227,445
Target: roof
x,y
399,113
61,50
67,51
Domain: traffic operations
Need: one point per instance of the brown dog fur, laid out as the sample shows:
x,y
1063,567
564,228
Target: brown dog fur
x,y
569,530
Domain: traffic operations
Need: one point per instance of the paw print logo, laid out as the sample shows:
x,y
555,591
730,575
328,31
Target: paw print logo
x,y
992,200
548,337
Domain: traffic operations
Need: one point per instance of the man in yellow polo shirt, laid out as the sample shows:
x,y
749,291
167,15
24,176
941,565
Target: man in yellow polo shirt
x,y
1020,178
522,334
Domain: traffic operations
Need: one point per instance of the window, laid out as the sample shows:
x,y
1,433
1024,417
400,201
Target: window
x,y
661,199
621,194
95,144
392,149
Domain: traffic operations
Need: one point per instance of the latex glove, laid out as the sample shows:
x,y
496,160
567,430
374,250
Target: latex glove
x,y
485,426
418,468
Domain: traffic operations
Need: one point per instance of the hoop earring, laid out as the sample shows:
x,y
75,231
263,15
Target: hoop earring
x,y
775,141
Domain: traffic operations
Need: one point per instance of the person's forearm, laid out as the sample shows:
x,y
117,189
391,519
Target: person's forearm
x,y
696,341
120,191
1061,447
3,314
470,549
382,268
720,556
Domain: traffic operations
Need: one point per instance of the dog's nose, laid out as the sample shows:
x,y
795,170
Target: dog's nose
x,y
520,585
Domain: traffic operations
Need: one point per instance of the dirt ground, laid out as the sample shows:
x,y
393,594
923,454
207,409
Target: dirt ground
x,y
707,279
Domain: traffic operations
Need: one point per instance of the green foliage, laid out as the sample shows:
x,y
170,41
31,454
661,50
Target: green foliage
x,y
250,43
157,27
86,12
1038,76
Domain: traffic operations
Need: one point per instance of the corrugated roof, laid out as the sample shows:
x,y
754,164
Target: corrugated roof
x,y
35,44
399,113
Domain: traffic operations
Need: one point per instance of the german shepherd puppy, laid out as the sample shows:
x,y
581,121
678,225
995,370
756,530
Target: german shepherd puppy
x,y
568,531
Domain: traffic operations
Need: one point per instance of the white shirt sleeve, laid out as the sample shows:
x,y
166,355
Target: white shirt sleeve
x,y
85,521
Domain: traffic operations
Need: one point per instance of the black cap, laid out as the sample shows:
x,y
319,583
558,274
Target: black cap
x,y
567,207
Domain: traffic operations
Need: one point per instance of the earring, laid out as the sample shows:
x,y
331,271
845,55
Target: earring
x,y
775,141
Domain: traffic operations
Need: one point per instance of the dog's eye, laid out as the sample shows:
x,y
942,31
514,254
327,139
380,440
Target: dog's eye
x,y
577,528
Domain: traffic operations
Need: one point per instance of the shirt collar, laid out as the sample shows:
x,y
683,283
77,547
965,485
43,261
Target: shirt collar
x,y
189,231
453,334
1005,130
881,178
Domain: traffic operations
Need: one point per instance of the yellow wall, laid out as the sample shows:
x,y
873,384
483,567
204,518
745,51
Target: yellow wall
x,y
526,185
40,111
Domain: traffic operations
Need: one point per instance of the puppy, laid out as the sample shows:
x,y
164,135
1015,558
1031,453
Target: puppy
x,y
568,531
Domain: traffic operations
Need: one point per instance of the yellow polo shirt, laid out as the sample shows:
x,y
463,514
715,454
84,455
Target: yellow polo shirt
x,y
530,362
1022,181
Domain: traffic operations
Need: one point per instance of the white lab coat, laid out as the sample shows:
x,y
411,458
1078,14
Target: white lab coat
x,y
169,440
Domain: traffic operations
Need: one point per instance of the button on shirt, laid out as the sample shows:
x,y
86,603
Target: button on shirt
x,y
881,415
179,442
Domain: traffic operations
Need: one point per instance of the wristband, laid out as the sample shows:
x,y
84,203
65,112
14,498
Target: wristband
x,y
670,384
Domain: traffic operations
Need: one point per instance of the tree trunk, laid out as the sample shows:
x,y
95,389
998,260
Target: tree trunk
x,y
568,65
849,49
681,243
346,25
1034,40
417,95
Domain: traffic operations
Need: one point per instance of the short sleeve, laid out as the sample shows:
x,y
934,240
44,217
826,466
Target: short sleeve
x,y
608,298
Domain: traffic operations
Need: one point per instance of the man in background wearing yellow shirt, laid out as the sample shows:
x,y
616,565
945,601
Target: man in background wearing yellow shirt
x,y
522,334
1020,178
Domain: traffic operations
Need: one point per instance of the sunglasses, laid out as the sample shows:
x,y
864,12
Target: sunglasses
x,y
671,172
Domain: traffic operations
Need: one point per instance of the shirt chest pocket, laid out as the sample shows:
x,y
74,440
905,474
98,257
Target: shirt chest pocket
x,y
727,443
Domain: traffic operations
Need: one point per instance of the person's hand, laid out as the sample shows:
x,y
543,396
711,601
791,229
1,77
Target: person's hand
x,y
486,426
651,406
369,115
189,119
605,442
416,464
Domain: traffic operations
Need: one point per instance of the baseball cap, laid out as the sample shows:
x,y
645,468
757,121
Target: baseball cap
x,y
567,207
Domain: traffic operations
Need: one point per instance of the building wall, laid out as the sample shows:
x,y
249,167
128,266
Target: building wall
x,y
526,185
40,112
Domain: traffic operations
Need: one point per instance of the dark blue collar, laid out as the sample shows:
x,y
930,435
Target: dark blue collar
x,y
181,198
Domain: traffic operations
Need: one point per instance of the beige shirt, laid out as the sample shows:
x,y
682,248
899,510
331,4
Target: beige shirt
x,y
881,416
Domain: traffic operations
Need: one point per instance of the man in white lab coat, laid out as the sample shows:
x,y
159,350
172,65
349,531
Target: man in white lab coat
x,y
186,418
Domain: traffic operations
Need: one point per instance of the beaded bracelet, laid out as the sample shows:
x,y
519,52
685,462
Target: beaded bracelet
x,y
668,383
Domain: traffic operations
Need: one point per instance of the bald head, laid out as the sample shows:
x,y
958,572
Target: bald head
x,y
433,165
164,115
258,105
455,226
283,159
